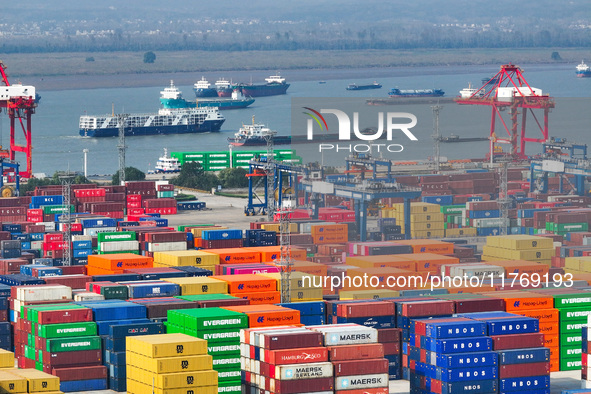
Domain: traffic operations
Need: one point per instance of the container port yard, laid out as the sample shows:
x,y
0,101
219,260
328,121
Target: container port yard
x,y
380,276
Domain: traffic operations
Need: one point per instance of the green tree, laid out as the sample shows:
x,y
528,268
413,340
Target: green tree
x,y
555,56
89,59
149,57
193,176
233,177
131,174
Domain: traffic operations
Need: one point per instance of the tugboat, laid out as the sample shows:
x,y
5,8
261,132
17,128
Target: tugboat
x,y
167,165
254,135
203,89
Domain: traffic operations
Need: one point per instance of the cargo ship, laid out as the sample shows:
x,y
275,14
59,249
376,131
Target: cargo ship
x,y
165,121
395,92
203,89
167,164
254,135
354,86
172,98
457,138
275,85
223,87
583,70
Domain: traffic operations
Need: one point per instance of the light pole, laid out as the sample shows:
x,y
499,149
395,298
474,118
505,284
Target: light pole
x,y
85,151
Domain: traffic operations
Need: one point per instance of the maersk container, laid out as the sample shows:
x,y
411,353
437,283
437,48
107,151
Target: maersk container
x,y
303,371
358,382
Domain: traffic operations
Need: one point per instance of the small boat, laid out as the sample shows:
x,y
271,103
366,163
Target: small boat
x,y
457,138
583,70
321,82
167,164
203,89
354,86
255,134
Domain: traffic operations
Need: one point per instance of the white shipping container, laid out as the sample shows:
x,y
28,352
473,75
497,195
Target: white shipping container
x,y
49,226
166,246
37,245
119,246
479,271
303,371
94,231
358,382
351,335
87,296
487,223
43,293
81,238
306,228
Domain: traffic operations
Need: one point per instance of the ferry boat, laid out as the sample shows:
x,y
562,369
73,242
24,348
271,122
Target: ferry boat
x,y
354,86
203,89
274,86
254,135
395,92
167,164
223,88
583,70
165,121
171,97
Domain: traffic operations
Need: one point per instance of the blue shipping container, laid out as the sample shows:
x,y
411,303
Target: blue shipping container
x,y
462,360
465,374
495,213
524,356
530,382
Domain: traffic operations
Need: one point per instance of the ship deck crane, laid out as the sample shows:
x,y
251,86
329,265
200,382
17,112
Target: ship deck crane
x,y
511,91
20,102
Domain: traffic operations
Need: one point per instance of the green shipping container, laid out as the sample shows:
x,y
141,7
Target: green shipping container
x,y
66,330
227,362
231,387
453,209
571,227
52,209
74,344
579,300
570,364
208,319
116,236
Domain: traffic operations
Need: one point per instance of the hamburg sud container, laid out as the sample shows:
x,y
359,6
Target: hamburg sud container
x,y
522,367
285,359
169,363
221,329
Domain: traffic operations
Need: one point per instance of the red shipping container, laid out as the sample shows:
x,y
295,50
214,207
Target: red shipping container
x,y
360,367
366,309
296,356
355,352
523,370
53,237
517,341
80,372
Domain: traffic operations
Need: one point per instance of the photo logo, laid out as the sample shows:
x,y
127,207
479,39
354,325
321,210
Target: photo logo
x,y
389,122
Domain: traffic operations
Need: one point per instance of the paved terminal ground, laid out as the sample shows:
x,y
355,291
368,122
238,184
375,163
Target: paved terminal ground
x,y
559,380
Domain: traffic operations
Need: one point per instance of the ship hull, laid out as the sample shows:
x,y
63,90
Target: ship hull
x,y
416,95
206,126
225,92
205,92
364,87
225,104
263,90
584,74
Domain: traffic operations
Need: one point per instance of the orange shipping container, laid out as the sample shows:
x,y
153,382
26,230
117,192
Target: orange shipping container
x,y
428,246
261,298
430,262
90,270
523,300
267,315
549,328
521,267
272,253
236,255
120,261
329,238
247,283
543,315
391,261
329,229
551,341
311,268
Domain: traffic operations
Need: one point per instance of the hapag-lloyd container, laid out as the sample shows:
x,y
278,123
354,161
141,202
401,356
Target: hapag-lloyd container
x,y
302,371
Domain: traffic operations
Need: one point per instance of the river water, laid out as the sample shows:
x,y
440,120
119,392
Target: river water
x,y
57,146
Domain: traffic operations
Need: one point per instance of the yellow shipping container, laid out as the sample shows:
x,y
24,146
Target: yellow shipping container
x,y
531,255
428,234
11,383
494,240
197,231
525,242
585,263
460,232
298,280
367,294
183,258
166,345
427,226
572,263
38,381
6,359
199,285
174,380
418,207
427,217
302,295
293,227
170,364
495,252
135,387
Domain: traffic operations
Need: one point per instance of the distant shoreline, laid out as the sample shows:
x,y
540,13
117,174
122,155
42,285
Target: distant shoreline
x,y
71,71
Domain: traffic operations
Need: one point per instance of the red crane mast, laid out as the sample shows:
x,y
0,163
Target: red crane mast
x,y
20,103
508,89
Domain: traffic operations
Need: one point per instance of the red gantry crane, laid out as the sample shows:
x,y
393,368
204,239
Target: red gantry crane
x,y
508,89
20,103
